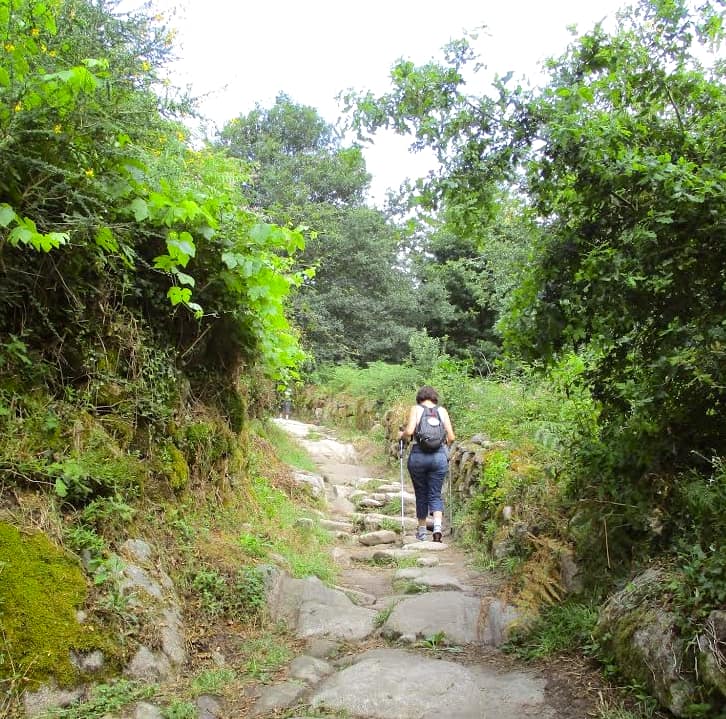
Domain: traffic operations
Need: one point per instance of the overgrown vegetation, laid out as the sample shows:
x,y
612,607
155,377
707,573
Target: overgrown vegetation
x,y
617,162
560,282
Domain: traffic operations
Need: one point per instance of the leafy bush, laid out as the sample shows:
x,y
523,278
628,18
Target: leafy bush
x,y
378,381
240,596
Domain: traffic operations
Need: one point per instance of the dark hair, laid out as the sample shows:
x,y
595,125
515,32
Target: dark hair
x,y
427,393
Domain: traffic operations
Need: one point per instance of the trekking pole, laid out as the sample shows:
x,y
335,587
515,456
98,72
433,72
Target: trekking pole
x,y
400,454
450,505
451,510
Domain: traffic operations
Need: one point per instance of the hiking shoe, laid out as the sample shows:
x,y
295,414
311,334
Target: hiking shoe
x,y
421,534
437,536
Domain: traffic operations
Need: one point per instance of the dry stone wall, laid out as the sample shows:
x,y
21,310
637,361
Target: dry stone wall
x,y
468,456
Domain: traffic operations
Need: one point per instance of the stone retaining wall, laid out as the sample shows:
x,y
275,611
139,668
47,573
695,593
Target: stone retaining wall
x,y
467,458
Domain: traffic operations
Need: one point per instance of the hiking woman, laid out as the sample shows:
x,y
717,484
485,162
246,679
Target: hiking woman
x,y
427,466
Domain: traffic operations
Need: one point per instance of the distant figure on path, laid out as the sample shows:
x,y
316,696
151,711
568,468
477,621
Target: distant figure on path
x,y
429,426
287,404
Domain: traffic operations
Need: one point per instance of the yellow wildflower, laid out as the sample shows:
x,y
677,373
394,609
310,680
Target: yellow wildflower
x,y
43,47
180,136
57,129
18,106
35,32
89,172
146,66
52,53
9,46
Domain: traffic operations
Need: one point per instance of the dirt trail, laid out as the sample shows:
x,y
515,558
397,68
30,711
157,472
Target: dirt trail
x,y
407,633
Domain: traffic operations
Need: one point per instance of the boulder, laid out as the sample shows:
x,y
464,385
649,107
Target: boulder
x,y
313,481
149,666
276,698
146,710
438,578
50,697
501,618
210,707
712,653
378,684
451,614
309,669
642,636
313,610
381,536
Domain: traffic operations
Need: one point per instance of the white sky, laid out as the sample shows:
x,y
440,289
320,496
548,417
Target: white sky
x,y
237,53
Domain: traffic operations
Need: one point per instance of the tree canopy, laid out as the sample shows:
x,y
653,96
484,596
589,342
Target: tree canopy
x,y
358,305
620,157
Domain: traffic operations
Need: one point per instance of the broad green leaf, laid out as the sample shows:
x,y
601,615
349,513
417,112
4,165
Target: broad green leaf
x,y
196,308
183,278
232,259
21,235
53,240
179,295
4,77
7,214
140,209
181,247
260,233
61,488
586,93
95,63
106,240
164,262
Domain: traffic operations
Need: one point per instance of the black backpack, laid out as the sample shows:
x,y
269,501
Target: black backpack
x,y
430,432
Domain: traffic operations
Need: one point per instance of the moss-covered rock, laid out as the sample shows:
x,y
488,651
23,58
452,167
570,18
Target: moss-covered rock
x,y
639,632
41,590
173,466
710,654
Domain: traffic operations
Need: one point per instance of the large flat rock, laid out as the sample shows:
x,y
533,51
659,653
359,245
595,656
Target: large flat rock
x,y
425,546
313,610
454,614
396,684
433,577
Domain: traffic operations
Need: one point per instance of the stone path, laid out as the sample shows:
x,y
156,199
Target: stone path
x,y
409,630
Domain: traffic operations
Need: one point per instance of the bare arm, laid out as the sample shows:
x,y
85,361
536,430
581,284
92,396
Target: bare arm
x,y
410,427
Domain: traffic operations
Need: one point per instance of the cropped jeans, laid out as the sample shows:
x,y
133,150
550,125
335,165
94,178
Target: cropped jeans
x,y
428,471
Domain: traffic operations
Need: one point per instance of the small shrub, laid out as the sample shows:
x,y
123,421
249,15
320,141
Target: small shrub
x,y
108,511
254,546
180,709
241,596
212,681
264,656
559,628
80,538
